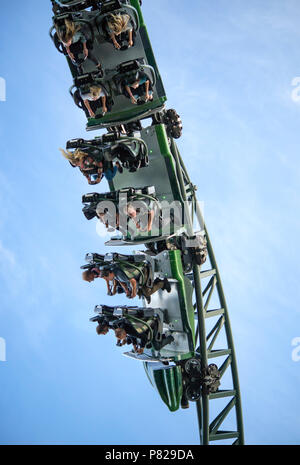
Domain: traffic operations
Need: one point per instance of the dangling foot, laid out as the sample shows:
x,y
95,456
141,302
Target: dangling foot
x,y
167,286
184,402
99,66
120,169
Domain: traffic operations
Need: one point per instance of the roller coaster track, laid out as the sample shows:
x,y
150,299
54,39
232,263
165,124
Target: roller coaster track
x,y
207,284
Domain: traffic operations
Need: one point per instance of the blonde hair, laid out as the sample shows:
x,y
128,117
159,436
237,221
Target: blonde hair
x,y
67,33
118,23
74,157
95,91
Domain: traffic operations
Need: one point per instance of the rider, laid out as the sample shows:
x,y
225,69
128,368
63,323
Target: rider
x,y
118,24
140,333
138,86
131,278
92,165
75,43
94,99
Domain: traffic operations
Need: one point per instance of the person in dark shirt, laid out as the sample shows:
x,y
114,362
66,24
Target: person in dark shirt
x,y
138,87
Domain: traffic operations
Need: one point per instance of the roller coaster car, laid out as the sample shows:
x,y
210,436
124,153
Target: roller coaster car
x,y
112,315
135,213
129,153
93,25
134,273
175,369
127,210
124,110
171,120
118,80
180,316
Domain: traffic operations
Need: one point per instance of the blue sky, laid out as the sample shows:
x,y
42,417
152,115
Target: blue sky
x,y
227,68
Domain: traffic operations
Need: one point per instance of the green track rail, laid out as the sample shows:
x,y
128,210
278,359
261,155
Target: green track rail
x,y
210,428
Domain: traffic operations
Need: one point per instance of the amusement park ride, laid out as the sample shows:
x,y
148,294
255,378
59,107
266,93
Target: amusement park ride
x,y
181,332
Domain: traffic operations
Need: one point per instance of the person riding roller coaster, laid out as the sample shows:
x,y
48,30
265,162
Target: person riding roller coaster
x,y
143,222
97,159
94,99
138,88
92,165
131,278
140,333
108,208
130,160
76,44
105,321
119,29
131,211
134,328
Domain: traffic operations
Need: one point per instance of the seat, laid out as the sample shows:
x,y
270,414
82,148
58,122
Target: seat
x,y
132,69
74,5
117,7
82,85
85,25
